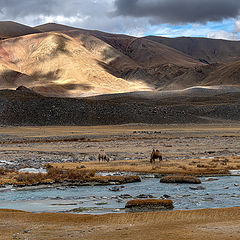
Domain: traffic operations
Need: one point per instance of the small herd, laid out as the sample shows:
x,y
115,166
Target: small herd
x,y
102,156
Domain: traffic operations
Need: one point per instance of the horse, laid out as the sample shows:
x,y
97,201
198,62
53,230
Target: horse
x,y
102,156
155,155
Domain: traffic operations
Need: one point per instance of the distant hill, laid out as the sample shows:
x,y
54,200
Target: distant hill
x,y
10,29
203,49
57,65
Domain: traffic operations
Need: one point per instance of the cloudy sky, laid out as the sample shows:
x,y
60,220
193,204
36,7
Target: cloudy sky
x,y
170,18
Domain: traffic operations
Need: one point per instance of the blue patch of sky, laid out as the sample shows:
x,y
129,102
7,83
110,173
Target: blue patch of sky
x,y
191,30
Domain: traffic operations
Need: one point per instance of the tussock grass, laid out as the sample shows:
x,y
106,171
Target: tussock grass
x,y
180,179
144,166
149,203
60,175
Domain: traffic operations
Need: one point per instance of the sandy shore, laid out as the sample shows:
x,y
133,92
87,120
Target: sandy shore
x,y
211,224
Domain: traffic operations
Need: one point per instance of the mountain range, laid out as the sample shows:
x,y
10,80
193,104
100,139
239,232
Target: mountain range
x,y
61,61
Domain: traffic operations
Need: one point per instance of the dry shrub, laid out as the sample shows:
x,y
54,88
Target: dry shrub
x,y
53,175
69,174
150,203
215,160
180,179
2,171
202,166
30,178
192,163
183,167
47,166
118,179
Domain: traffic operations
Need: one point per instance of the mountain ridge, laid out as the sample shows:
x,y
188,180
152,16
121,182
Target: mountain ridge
x,y
64,61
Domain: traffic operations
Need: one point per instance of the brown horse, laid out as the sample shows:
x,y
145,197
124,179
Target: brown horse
x,y
155,155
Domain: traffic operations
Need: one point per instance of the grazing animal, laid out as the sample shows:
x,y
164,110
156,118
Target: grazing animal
x,y
102,156
155,155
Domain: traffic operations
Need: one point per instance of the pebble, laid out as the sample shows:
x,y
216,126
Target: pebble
x,y
145,196
197,188
208,199
166,196
125,196
115,189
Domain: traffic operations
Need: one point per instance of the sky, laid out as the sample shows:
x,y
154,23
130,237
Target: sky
x,y
170,18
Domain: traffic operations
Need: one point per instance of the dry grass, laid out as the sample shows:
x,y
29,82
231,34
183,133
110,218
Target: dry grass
x,y
60,175
180,179
149,203
188,166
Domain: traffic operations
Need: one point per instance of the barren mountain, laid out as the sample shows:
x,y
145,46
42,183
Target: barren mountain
x,y
76,63
70,62
140,50
10,29
198,78
58,65
204,49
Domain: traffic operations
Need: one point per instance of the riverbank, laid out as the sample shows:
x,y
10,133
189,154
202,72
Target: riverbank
x,y
218,166
219,224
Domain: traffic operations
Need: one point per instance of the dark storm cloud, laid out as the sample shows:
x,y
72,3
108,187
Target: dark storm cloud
x,y
21,8
179,11
89,14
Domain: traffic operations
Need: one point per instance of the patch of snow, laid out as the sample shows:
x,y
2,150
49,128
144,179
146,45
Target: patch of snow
x,y
235,172
3,162
33,170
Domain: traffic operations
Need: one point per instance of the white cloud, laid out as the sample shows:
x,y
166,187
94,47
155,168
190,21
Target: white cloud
x,y
189,31
88,14
237,25
62,19
223,35
98,15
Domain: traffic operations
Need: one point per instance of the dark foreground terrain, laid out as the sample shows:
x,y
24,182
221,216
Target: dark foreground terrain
x,y
25,107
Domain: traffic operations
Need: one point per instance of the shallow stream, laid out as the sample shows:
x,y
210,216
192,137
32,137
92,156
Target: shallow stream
x,y
216,192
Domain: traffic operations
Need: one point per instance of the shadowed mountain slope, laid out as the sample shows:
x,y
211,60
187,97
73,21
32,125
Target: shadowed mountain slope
x,y
64,61
10,29
204,49
23,107
56,64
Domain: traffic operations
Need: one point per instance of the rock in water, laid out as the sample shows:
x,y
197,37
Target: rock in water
x,y
145,196
116,188
197,188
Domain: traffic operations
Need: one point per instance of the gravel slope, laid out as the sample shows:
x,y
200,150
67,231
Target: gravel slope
x,y
23,107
